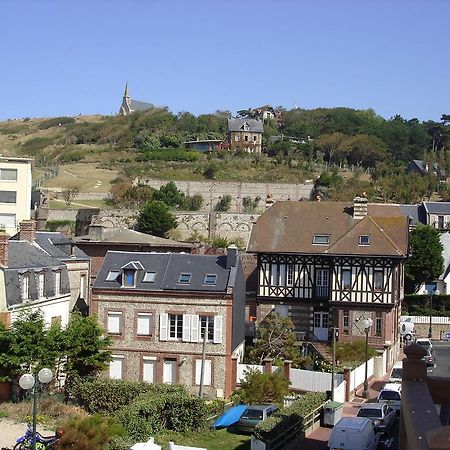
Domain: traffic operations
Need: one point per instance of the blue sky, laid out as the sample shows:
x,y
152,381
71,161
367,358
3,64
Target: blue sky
x,y
64,57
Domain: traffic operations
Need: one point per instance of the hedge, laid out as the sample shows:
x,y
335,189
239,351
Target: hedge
x,y
106,396
154,412
419,305
284,418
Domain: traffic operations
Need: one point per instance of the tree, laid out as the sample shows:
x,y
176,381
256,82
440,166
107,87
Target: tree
x,y
127,195
156,218
170,195
69,193
260,388
426,262
223,204
275,338
194,202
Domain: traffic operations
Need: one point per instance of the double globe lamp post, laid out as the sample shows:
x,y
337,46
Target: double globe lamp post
x,y
431,293
28,381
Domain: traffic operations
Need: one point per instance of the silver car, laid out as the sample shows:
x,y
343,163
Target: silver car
x,y
382,415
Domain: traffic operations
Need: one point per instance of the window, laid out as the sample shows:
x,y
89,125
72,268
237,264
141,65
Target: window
x,y
290,275
207,375
175,326
440,222
246,138
25,287
149,277
236,137
128,277
207,323
83,286
346,278
7,221
144,324
8,196
8,174
378,280
245,126
210,279
184,278
254,138
378,323
148,369
346,321
57,283
41,281
364,240
112,275
114,322
322,239
116,367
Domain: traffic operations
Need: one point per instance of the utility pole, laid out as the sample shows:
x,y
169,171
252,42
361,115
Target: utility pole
x,y
202,368
333,367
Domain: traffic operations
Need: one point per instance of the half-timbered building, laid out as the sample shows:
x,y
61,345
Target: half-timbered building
x,y
333,264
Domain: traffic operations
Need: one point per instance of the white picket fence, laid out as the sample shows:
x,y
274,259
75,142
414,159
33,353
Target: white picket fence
x,y
339,392
437,320
357,376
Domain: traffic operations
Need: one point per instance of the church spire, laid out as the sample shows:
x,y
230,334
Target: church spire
x,y
125,94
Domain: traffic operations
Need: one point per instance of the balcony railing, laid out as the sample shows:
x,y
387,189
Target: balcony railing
x,y
420,426
322,291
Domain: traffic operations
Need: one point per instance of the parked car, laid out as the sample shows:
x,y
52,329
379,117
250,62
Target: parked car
x,y
391,395
383,416
429,358
253,415
426,343
396,373
354,433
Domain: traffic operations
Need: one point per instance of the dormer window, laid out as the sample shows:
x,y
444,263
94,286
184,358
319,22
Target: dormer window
x,y
149,277
364,240
112,275
57,283
184,278
129,277
245,127
210,279
321,239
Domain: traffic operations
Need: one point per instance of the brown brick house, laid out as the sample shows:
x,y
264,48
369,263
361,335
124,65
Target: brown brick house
x,y
158,307
333,264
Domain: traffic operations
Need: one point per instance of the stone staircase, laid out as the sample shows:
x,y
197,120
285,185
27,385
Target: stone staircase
x,y
323,350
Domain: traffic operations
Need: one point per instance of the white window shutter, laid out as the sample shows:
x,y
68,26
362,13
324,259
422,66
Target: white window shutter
x,y
186,328
113,325
163,320
217,329
116,367
194,328
206,372
148,369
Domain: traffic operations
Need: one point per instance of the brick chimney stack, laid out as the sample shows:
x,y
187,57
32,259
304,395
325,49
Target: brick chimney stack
x,y
4,238
360,207
27,230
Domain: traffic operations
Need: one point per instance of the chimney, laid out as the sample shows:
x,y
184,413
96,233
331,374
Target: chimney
x,y
4,238
27,230
96,232
360,207
232,255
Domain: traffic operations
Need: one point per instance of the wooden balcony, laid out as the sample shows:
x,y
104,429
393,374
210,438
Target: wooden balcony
x,y
420,425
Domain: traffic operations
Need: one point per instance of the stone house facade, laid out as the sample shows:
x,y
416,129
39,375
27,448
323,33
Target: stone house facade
x,y
245,135
158,309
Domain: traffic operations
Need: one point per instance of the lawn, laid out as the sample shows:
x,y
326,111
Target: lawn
x,y
209,439
77,204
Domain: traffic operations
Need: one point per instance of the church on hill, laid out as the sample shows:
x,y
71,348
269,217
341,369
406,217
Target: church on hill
x,y
128,105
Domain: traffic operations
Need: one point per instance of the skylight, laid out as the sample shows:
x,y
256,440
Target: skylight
x,y
112,275
364,239
210,279
184,278
322,239
149,277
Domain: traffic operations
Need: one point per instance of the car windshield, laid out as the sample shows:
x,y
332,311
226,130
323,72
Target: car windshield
x,y
396,373
252,414
369,412
389,395
423,343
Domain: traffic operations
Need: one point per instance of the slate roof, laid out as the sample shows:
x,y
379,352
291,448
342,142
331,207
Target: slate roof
x,y
127,236
255,126
421,166
23,255
58,245
136,105
437,207
167,268
289,227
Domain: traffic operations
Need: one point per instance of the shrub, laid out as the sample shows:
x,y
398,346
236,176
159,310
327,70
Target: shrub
x,y
71,156
54,225
250,204
151,413
34,145
106,396
355,351
284,418
193,203
168,155
220,242
56,122
223,204
91,433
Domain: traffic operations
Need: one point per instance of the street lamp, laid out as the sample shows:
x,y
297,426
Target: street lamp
x,y
367,324
28,381
431,293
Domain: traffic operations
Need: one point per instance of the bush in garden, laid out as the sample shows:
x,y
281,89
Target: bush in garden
x,y
151,413
286,417
92,433
106,396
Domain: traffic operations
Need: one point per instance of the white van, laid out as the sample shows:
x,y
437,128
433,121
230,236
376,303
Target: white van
x,y
354,433
396,373
407,330
391,395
